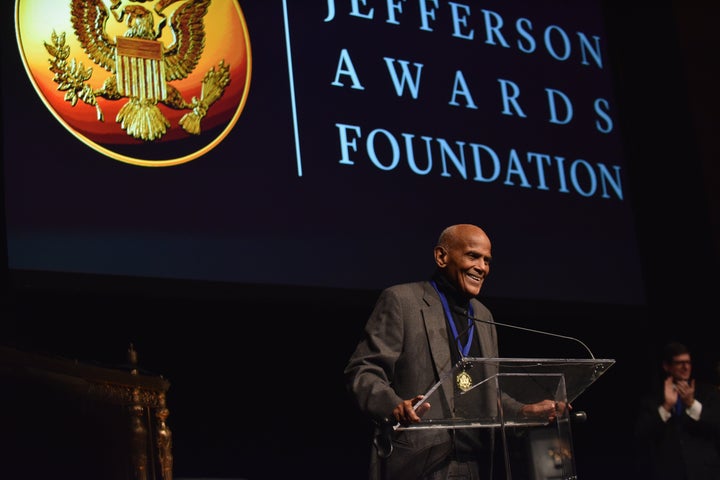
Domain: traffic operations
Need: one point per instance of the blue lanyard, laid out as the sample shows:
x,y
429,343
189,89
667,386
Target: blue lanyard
x,y
471,330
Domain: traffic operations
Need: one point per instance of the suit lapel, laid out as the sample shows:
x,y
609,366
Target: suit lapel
x,y
436,329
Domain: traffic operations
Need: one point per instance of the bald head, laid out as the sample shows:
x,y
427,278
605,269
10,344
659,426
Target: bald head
x,y
459,232
463,254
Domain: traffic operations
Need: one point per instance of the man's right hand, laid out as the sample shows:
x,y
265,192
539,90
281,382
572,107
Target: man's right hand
x,y
406,413
671,394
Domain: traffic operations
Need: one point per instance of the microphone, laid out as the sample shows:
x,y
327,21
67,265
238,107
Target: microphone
x,y
578,417
464,312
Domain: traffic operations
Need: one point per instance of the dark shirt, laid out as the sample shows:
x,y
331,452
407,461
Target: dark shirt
x,y
469,443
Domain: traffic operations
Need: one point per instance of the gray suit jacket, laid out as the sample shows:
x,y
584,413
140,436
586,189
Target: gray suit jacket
x,y
403,352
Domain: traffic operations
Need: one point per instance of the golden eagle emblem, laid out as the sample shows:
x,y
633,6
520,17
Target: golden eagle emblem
x,y
141,66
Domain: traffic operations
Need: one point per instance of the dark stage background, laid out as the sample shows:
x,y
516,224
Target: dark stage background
x,y
255,369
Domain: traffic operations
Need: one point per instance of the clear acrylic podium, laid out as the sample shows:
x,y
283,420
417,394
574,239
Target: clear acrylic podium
x,y
490,392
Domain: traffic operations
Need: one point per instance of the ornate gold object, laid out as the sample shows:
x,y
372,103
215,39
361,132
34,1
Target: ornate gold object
x,y
144,440
464,381
142,66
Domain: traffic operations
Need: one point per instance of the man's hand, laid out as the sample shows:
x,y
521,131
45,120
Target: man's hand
x,y
671,394
405,412
686,392
548,409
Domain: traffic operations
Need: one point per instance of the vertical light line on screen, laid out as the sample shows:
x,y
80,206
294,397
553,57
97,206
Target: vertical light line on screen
x,y
292,89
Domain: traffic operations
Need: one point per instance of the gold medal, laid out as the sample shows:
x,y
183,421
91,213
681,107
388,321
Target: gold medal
x,y
464,381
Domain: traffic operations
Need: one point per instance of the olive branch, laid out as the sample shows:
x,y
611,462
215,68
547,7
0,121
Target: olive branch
x,y
71,76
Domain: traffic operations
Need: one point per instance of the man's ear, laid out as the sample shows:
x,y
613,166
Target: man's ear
x,y
440,257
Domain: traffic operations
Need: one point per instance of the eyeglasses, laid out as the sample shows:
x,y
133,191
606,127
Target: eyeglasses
x,y
681,362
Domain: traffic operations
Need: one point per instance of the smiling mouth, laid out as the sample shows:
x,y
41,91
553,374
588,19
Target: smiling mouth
x,y
475,277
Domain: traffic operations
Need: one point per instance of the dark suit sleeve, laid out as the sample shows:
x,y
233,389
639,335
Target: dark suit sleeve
x,y
394,361
369,372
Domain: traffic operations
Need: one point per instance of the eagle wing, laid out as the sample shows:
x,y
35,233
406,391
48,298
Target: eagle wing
x,y
89,19
188,29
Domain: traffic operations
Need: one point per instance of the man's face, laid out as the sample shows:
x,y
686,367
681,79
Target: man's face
x,y
680,367
466,262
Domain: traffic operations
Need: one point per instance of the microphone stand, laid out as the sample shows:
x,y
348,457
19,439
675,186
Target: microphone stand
x,y
541,332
